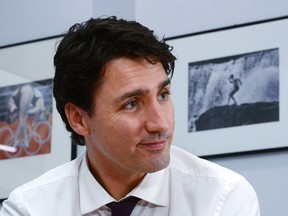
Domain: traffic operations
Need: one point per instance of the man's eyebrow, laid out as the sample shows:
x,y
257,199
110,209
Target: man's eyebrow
x,y
164,83
138,92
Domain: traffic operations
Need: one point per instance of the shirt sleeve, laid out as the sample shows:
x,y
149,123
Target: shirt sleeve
x,y
11,207
241,201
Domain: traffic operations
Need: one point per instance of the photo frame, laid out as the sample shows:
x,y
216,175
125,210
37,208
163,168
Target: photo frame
x,y
217,117
42,143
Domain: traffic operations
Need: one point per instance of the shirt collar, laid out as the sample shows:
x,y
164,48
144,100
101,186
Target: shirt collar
x,y
154,188
92,195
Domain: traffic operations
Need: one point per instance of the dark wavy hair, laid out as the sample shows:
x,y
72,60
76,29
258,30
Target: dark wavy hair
x,y
85,50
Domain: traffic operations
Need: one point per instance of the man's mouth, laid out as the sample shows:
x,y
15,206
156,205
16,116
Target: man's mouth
x,y
154,145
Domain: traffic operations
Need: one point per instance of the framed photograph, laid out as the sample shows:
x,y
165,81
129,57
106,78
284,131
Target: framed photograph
x,y
230,89
33,138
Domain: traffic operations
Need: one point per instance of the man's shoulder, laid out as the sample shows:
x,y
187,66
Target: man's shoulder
x,y
191,165
59,175
46,194
213,187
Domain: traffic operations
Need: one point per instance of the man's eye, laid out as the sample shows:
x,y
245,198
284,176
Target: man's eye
x,y
164,96
131,105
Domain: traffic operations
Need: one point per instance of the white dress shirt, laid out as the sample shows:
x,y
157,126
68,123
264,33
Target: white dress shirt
x,y
188,186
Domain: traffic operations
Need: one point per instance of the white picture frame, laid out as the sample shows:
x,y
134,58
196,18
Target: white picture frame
x,y
30,62
227,45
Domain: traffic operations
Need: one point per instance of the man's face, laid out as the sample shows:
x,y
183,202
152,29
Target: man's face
x,y
132,124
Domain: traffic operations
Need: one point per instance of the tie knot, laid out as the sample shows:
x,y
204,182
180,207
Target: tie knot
x,y
124,207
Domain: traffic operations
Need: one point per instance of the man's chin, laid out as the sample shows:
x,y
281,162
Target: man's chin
x,y
159,165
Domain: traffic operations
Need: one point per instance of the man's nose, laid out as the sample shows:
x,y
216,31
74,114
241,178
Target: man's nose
x,y
156,118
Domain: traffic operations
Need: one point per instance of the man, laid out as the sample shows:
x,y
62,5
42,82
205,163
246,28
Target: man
x,y
236,82
112,87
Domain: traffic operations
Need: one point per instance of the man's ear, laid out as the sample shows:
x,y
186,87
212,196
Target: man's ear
x,y
76,119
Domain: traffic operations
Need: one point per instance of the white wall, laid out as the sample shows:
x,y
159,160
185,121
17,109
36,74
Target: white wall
x,y
33,19
177,17
122,9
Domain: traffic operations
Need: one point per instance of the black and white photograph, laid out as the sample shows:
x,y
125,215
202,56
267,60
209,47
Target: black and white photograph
x,y
234,90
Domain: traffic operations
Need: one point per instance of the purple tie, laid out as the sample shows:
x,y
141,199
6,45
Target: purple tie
x,y
124,207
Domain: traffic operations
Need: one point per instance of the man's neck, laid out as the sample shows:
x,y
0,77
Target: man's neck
x,y
117,182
